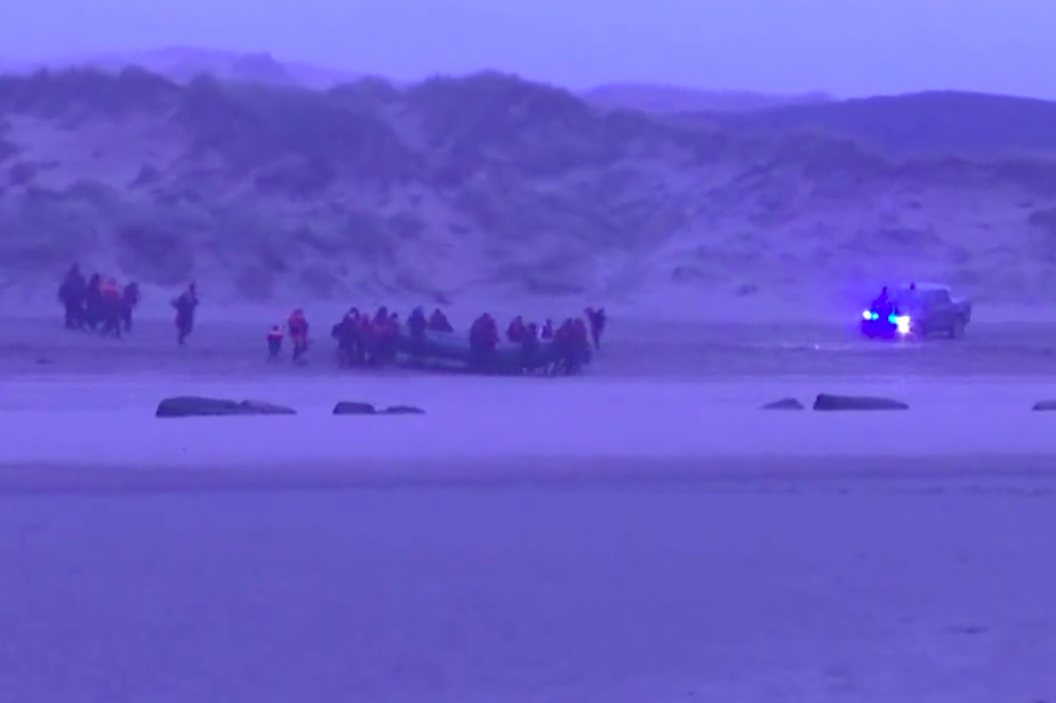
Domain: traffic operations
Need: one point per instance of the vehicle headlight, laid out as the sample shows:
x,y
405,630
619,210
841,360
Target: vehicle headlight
x,y
902,323
867,315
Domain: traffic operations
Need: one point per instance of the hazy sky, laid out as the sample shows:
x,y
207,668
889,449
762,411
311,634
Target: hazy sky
x,y
848,47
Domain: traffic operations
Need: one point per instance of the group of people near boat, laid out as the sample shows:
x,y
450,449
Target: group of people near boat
x,y
379,338
97,303
100,304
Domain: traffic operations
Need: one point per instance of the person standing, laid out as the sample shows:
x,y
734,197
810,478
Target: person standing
x,y
186,305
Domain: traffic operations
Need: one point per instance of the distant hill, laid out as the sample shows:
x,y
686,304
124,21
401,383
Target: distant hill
x,y
181,64
938,122
488,182
669,99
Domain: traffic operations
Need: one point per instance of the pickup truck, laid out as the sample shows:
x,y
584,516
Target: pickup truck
x,y
918,310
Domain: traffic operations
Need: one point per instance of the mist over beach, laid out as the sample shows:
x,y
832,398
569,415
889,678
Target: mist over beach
x,y
696,472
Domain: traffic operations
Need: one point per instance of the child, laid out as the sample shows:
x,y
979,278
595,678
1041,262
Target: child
x,y
274,343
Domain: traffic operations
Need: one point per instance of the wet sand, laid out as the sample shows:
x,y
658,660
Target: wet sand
x,y
825,569
808,587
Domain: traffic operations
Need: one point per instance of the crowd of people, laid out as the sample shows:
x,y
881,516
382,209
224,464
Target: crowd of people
x,y
365,339
97,304
100,304
567,346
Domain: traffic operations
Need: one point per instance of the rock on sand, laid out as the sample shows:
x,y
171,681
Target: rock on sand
x,y
826,401
346,407
403,410
784,404
358,408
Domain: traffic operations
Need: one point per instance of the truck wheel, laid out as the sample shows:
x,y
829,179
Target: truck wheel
x,y
957,328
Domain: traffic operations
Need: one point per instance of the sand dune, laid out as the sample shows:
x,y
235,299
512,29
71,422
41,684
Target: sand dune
x,y
490,185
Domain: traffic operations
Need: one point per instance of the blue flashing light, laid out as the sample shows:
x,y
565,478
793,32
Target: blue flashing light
x,y
892,318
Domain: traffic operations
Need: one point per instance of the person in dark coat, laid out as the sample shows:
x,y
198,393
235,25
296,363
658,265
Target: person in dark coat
x,y
596,319
438,322
72,295
186,305
129,301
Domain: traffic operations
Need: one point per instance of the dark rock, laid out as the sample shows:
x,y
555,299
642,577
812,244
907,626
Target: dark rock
x,y
351,408
826,401
1045,405
784,404
257,407
403,410
193,406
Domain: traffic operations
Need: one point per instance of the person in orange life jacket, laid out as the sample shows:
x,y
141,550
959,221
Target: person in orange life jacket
x,y
110,305
275,342
298,327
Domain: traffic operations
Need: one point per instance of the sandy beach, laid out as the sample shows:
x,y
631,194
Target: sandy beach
x,y
643,533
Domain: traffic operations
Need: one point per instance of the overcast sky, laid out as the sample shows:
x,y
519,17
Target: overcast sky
x,y
848,47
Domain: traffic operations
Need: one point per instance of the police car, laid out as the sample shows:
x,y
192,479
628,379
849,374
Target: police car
x,y
916,310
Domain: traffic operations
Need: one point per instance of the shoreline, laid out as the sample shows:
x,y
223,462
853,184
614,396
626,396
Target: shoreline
x,y
111,423
974,473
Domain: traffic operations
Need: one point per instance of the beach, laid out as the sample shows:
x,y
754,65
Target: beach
x,y
643,533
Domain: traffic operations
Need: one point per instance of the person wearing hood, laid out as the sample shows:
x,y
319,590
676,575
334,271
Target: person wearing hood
x,y
483,341
515,332
417,324
882,304
346,332
438,322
